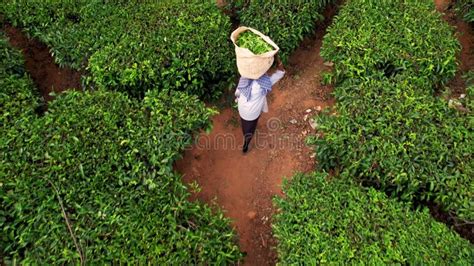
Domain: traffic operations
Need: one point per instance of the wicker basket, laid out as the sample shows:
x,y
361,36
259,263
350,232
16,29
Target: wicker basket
x,y
250,65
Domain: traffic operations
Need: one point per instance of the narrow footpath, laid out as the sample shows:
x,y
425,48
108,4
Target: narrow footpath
x,y
465,35
244,185
45,73
457,87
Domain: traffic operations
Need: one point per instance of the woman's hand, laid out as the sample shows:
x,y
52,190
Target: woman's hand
x,y
237,95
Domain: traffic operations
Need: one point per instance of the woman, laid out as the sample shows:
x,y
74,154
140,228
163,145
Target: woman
x,y
252,101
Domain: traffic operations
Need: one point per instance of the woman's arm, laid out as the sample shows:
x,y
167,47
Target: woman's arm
x,y
277,76
279,73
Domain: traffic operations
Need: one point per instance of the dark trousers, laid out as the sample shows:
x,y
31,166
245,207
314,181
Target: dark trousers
x,y
248,129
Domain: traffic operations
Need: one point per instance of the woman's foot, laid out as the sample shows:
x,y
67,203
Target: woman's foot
x,y
245,149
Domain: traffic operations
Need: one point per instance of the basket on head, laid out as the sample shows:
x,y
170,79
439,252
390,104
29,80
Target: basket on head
x,y
251,65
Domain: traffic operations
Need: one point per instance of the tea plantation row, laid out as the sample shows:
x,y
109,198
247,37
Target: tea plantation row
x,y
287,22
388,132
104,159
101,163
177,44
325,220
17,96
391,131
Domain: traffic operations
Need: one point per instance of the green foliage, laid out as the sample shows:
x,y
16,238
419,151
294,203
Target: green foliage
x,y
370,39
17,97
466,9
324,221
253,42
469,82
390,132
108,159
469,16
177,44
287,22
411,145
328,78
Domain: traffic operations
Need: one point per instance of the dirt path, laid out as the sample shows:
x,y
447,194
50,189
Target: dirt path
x,y
465,35
47,76
244,185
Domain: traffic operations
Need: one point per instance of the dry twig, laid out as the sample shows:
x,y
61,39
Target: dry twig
x,y
68,223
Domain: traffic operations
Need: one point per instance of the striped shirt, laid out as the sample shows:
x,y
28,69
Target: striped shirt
x,y
245,86
251,94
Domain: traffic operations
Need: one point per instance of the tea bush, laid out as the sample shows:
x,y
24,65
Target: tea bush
x,y
413,146
70,28
466,9
253,42
322,221
390,132
188,49
369,39
17,96
285,22
104,161
179,45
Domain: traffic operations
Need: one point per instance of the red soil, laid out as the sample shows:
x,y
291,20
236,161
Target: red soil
x,y
244,185
465,35
39,63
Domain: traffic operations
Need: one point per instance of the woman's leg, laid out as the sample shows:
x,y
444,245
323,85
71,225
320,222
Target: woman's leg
x,y
248,129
